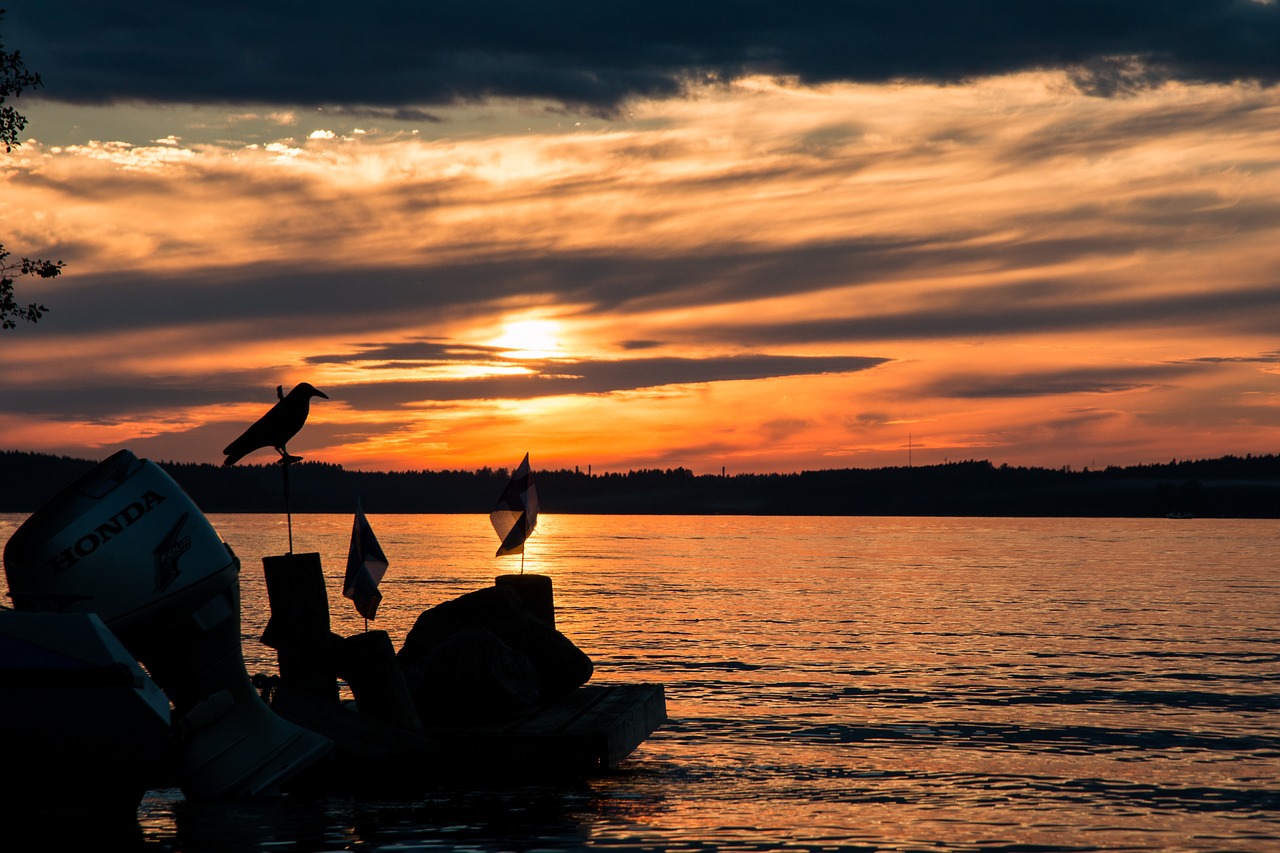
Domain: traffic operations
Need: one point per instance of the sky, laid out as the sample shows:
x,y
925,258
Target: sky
x,y
725,236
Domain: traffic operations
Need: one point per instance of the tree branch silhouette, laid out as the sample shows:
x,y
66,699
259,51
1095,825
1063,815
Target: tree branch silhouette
x,y
14,79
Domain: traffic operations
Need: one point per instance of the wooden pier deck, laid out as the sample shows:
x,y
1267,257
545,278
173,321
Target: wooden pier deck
x,y
380,739
589,731
592,729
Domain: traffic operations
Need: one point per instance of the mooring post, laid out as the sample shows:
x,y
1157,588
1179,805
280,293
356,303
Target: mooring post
x,y
535,592
299,625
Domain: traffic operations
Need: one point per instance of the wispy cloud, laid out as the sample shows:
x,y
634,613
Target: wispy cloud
x,y
771,272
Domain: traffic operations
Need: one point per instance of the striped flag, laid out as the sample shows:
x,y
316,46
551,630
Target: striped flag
x,y
516,514
366,564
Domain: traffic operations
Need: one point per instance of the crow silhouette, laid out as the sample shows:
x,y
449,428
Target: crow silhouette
x,y
277,426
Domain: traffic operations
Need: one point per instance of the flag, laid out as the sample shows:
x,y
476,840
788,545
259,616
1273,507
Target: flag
x,y
516,513
366,564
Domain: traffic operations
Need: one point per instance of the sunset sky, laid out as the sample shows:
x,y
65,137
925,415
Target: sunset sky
x,y
763,236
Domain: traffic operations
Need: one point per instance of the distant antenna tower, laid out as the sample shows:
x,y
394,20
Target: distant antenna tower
x,y
908,450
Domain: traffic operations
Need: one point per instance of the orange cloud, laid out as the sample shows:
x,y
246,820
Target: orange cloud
x,y
1041,278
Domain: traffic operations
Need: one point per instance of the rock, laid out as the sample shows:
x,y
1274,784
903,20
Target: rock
x,y
472,674
484,655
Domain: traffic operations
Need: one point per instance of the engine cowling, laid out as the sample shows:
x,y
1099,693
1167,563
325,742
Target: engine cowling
x,y
127,543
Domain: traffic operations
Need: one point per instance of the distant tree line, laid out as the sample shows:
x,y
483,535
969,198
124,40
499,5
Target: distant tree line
x,y
1227,487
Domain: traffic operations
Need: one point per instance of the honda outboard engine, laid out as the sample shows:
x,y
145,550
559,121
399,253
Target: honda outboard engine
x,y
125,542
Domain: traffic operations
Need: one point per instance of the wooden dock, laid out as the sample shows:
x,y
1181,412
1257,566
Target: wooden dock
x,y
591,730
588,732
379,738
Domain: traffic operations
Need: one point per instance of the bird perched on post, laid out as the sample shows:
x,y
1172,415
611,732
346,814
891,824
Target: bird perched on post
x,y
277,426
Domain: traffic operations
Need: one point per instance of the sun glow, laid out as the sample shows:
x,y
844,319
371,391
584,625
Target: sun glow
x,y
528,339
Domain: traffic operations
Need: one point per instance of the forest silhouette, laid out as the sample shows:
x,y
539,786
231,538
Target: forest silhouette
x,y
1226,487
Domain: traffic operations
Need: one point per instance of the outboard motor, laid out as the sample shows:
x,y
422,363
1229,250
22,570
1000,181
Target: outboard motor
x,y
125,542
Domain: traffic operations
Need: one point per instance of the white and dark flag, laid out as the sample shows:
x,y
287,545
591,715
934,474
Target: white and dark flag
x,y
516,513
366,564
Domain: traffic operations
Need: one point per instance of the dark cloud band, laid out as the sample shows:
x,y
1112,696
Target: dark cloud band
x,y
596,55
106,400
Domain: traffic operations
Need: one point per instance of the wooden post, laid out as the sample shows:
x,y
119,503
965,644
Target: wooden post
x,y
535,591
299,625
368,663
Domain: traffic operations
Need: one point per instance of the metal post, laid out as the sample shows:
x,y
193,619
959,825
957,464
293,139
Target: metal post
x,y
285,462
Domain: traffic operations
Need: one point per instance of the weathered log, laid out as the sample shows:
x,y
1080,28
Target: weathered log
x,y
367,662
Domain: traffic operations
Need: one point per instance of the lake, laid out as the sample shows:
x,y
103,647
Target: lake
x,y
852,683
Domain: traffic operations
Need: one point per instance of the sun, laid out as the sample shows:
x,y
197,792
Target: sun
x,y
528,339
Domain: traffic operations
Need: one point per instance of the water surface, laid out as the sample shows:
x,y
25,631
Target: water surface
x,y
841,684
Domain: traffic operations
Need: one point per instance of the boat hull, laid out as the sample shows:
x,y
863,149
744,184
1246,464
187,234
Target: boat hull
x,y
87,728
